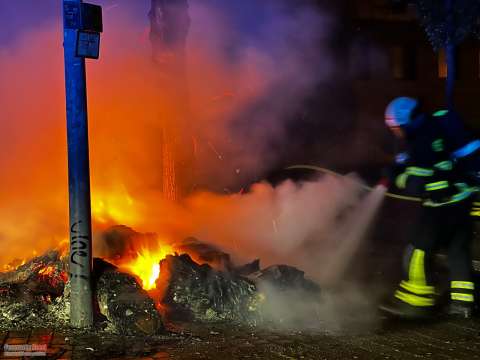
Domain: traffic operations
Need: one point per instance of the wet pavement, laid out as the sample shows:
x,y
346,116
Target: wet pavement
x,y
444,339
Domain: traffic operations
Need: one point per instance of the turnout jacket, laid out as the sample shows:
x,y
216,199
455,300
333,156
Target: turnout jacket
x,y
429,171
464,146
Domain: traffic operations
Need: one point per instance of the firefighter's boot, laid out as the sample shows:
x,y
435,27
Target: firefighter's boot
x,y
461,310
461,299
401,309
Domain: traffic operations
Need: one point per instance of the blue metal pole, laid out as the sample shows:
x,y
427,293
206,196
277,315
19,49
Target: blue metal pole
x,y
81,304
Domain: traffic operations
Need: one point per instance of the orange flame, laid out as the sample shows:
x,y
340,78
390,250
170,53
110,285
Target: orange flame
x,y
47,271
146,265
13,265
114,206
53,275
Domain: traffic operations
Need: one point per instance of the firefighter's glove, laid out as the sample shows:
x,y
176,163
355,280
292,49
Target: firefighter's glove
x,y
401,181
384,181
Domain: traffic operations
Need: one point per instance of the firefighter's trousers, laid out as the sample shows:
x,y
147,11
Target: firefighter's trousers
x,y
448,227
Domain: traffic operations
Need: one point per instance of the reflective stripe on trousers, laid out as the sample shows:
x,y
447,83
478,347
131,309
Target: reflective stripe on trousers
x,y
462,291
415,290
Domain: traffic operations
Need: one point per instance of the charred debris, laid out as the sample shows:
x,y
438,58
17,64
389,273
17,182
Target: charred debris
x,y
199,283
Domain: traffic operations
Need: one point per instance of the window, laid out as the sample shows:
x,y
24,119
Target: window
x,y
442,64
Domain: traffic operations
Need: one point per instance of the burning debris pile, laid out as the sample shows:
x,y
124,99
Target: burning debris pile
x,y
127,307
35,293
199,292
196,282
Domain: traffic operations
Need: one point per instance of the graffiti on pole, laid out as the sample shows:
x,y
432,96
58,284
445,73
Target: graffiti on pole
x,y
78,248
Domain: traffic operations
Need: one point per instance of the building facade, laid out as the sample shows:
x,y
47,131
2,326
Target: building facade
x,y
391,56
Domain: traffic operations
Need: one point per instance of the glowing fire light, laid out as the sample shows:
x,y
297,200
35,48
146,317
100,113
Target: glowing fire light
x,y
63,246
147,265
47,271
13,265
115,206
52,275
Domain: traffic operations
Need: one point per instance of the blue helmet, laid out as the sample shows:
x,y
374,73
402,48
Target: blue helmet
x,y
399,111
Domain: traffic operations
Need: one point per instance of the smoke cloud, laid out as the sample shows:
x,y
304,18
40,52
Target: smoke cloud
x,y
318,226
246,82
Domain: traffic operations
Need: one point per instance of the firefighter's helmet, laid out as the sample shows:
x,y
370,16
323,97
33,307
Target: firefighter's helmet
x,y
399,111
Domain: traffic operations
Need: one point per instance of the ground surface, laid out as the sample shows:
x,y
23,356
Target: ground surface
x,y
359,336
445,339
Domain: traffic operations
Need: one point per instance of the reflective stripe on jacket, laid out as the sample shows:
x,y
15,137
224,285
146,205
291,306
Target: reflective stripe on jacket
x,y
429,166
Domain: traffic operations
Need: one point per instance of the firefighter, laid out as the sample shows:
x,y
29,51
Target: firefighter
x,y
465,150
445,214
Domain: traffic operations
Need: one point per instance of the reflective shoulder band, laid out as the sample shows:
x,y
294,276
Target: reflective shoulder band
x,y
439,185
440,113
467,149
462,297
418,171
444,165
437,145
462,285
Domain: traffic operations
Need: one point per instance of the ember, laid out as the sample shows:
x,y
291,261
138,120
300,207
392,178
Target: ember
x,y
47,271
53,275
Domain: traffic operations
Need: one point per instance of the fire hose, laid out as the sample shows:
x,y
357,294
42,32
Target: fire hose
x,y
366,187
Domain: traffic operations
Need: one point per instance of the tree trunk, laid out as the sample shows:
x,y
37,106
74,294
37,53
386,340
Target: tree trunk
x,y
169,27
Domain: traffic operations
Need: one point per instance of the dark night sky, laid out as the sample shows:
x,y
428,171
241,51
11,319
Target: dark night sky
x,y
20,16
23,15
